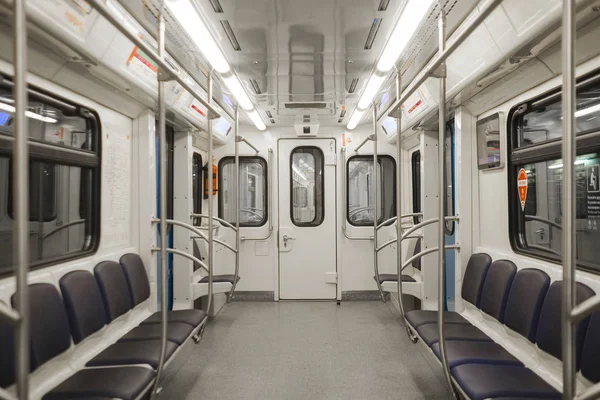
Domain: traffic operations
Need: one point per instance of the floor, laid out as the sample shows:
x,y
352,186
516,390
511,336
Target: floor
x,y
307,350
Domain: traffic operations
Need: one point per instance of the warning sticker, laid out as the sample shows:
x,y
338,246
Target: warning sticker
x,y
593,193
140,63
522,186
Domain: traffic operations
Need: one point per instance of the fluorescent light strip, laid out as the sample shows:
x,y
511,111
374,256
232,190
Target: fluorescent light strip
x,y
234,85
355,119
556,166
373,85
257,120
32,115
407,24
587,111
189,19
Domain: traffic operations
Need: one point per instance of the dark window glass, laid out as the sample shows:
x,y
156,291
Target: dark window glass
x,y
197,187
64,184
307,186
535,226
360,195
449,179
416,184
253,190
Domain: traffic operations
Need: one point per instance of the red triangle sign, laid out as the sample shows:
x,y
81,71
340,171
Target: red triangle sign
x,y
522,186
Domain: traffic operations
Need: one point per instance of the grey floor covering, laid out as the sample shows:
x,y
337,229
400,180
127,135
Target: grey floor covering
x,y
307,350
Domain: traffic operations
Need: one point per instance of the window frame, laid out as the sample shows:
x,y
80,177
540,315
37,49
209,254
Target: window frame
x,y
316,221
415,165
57,155
549,150
231,160
367,157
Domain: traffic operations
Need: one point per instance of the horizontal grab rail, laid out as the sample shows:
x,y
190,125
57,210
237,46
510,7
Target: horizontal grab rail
x,y
242,139
220,220
543,220
186,255
370,137
427,251
585,308
196,231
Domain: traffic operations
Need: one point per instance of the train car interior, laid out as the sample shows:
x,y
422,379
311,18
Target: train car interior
x,y
318,199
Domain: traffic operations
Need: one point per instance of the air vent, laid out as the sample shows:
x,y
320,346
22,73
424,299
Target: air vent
x,y
306,130
353,85
230,35
255,86
372,33
342,115
269,114
305,105
219,9
383,5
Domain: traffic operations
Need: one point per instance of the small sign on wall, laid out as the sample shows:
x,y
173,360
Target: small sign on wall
x,y
522,186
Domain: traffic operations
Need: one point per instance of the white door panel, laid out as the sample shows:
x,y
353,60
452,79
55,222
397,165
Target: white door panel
x,y
307,215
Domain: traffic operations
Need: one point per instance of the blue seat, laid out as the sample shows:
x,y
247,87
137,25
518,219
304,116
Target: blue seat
x,y
488,381
429,333
476,271
50,337
460,352
139,290
496,287
590,357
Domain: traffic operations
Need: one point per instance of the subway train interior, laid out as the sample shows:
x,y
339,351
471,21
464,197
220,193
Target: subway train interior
x,y
317,199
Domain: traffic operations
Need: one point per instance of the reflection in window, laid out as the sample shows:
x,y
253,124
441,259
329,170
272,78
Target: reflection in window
x,y
416,184
253,190
360,193
197,187
449,178
307,186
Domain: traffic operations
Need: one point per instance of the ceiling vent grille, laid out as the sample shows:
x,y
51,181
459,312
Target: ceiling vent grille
x,y
216,5
305,105
255,86
342,115
270,116
372,33
353,84
383,5
231,36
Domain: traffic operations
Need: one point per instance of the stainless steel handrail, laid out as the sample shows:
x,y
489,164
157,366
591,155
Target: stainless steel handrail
x,y
163,66
237,200
184,254
375,189
428,251
370,137
220,220
162,281
211,232
60,228
394,240
217,241
585,308
21,199
394,219
239,139
270,167
425,223
427,71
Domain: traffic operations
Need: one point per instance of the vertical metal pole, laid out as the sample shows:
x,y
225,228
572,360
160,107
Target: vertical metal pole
x,y
375,188
162,130
568,197
21,198
399,201
237,202
442,197
210,199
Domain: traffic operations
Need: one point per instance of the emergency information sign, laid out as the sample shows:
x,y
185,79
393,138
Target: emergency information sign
x,y
522,186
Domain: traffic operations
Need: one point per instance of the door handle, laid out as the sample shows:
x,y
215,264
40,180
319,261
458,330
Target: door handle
x,y
286,238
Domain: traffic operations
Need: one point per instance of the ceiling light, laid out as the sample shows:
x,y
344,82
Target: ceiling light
x,y
356,117
189,19
373,85
43,118
407,24
236,88
587,111
560,165
257,120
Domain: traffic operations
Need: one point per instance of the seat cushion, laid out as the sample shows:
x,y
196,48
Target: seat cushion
x,y
590,357
177,332
420,317
475,274
83,302
114,289
429,333
221,278
137,278
480,382
525,301
460,352
496,287
393,278
132,352
192,317
125,383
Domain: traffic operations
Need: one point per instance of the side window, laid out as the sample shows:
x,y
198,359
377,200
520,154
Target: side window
x,y
307,186
64,179
197,187
253,190
535,177
415,163
449,179
360,196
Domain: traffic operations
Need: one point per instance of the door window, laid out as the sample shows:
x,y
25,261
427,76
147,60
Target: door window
x,y
307,186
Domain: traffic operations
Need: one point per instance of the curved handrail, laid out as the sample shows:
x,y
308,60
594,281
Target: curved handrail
x,y
60,228
394,219
427,251
186,255
217,241
220,220
394,240
427,222
543,220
